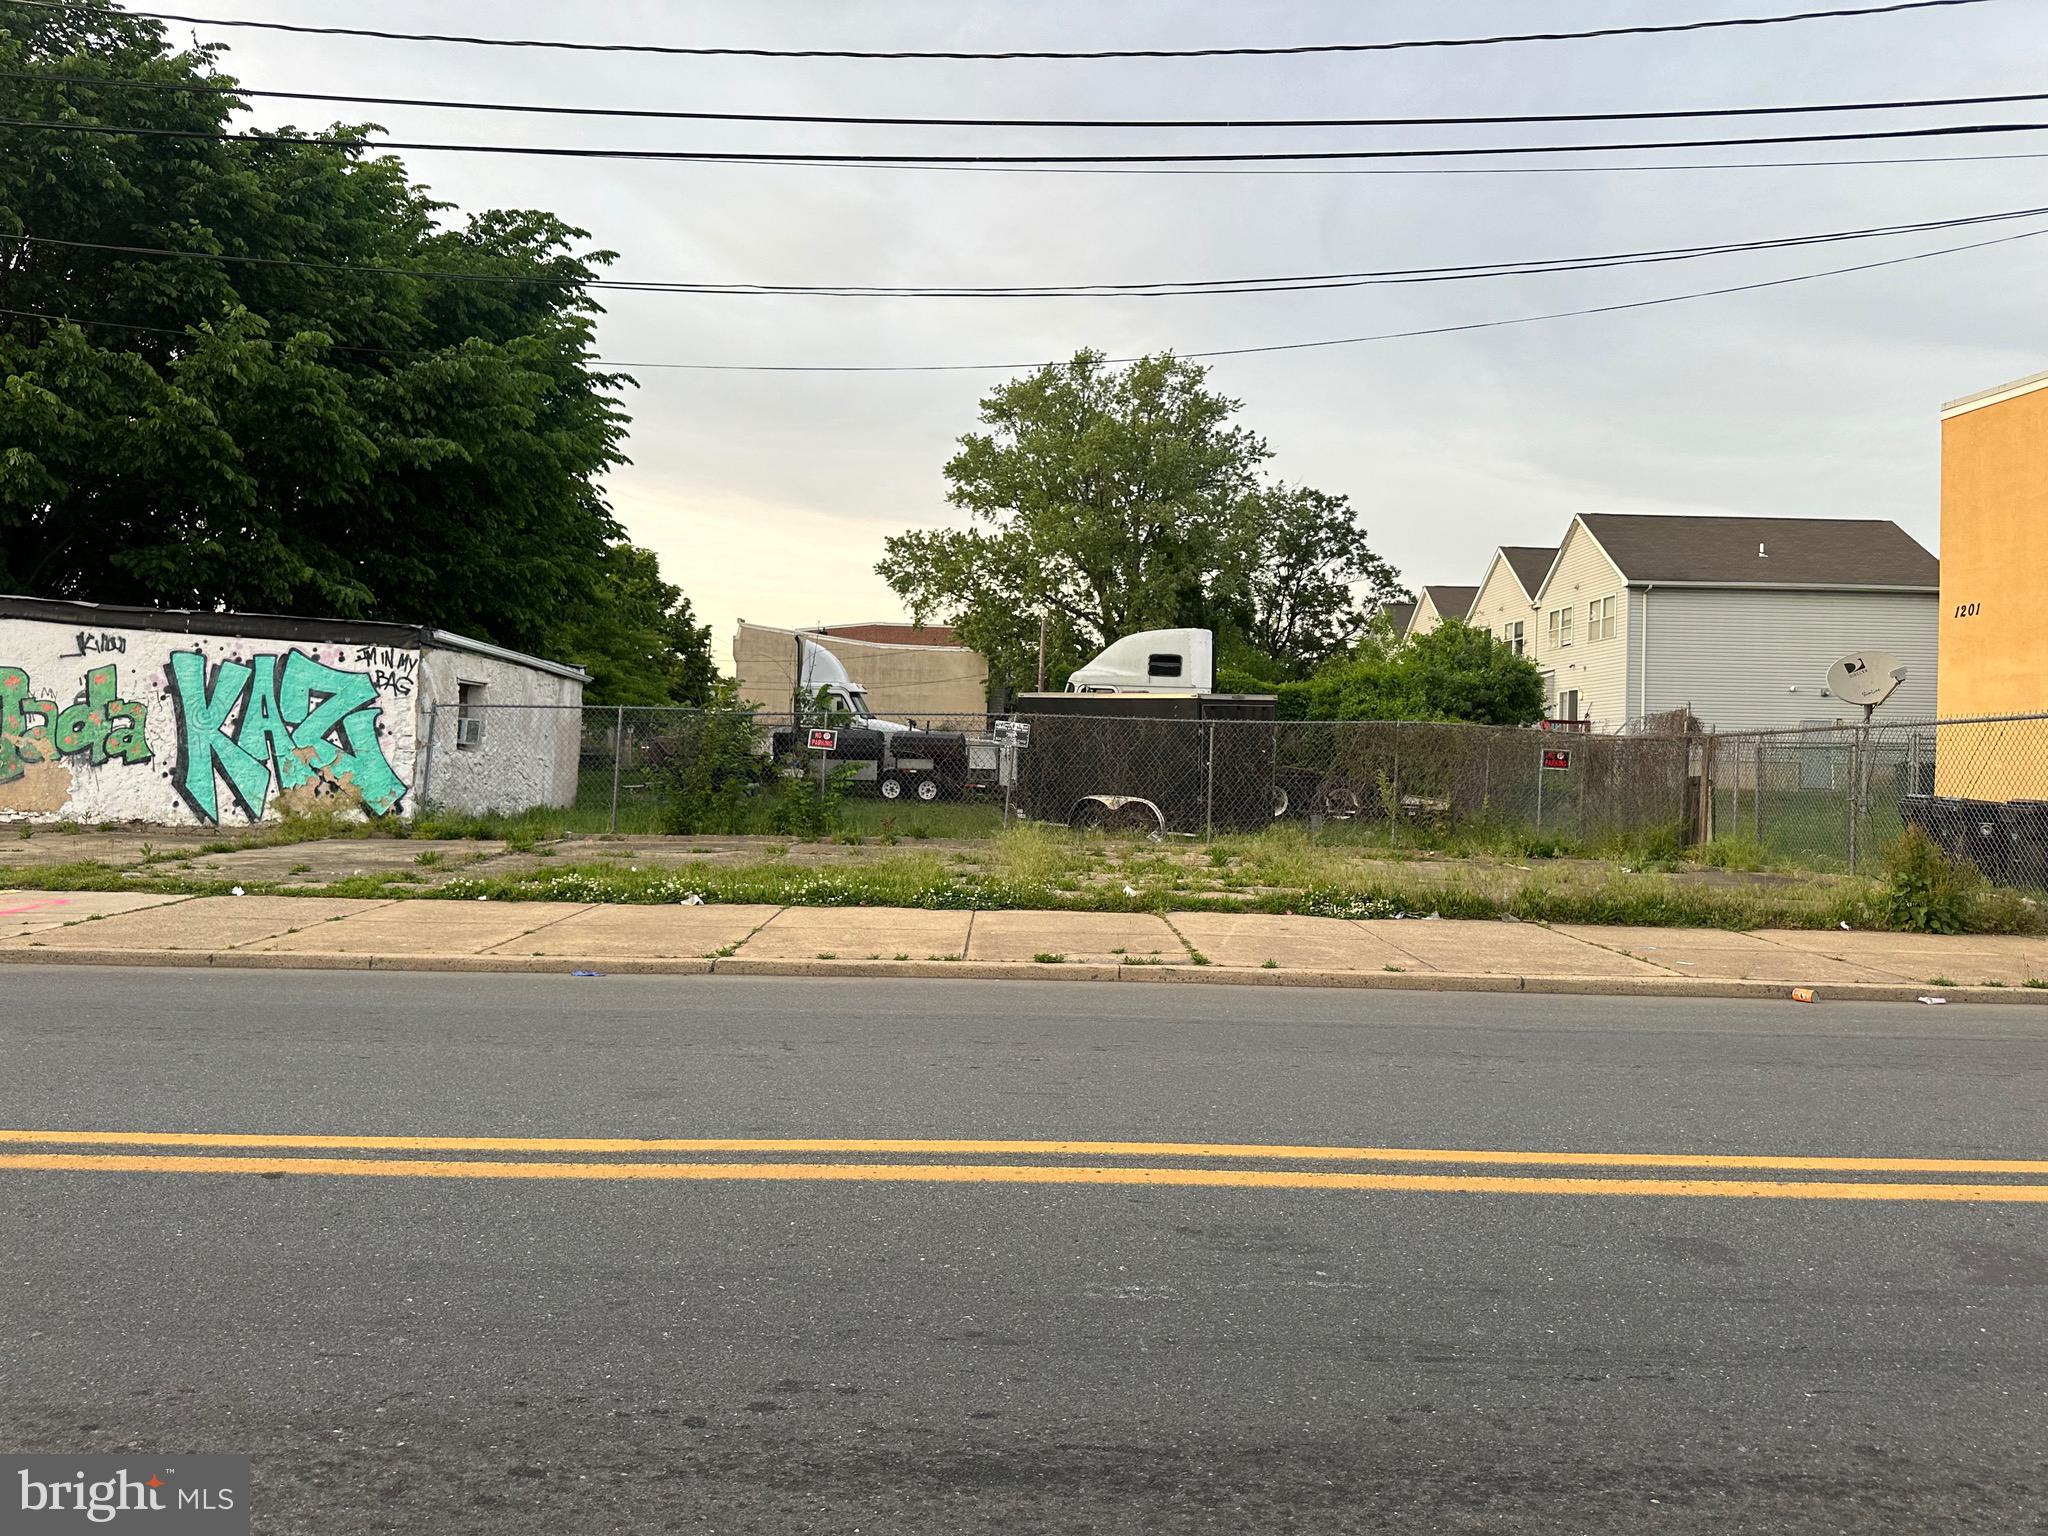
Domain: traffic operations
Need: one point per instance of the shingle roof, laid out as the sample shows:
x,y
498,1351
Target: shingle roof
x,y
1529,562
1452,602
1798,551
1398,615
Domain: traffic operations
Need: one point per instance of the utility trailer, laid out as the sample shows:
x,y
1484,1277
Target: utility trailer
x,y
1148,761
834,728
896,765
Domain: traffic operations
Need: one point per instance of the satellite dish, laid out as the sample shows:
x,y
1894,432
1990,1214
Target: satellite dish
x,y
1867,678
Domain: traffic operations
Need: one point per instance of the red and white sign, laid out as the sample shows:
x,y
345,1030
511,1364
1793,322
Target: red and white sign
x,y
1557,757
824,741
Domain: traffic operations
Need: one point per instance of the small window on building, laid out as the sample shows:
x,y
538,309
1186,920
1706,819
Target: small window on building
x,y
469,717
1163,664
1560,628
1568,704
1515,636
1600,619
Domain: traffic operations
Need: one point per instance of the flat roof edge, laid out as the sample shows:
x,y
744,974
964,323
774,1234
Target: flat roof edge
x,y
1995,394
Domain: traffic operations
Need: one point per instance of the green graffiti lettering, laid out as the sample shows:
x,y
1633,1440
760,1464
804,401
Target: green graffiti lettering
x,y
290,717
99,727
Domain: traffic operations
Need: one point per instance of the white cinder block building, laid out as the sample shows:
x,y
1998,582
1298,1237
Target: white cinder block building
x,y
172,717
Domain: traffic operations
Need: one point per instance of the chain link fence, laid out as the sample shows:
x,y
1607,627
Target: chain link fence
x,y
1827,797
1833,797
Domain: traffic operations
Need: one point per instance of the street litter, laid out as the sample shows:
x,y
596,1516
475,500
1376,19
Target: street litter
x,y
1802,994
1130,890
586,973
693,900
238,891
1934,1001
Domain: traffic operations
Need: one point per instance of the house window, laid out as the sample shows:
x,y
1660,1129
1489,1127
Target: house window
x,y
1600,619
1514,636
1568,705
1163,664
469,717
1560,628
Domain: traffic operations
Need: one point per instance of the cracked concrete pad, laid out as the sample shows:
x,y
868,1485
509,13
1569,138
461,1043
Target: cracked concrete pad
x,y
1293,943
423,928
205,923
33,911
339,858
1965,959
649,933
1720,953
1494,948
855,933
1103,938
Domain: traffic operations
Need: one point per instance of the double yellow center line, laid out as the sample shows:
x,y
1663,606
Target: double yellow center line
x,y
1204,1164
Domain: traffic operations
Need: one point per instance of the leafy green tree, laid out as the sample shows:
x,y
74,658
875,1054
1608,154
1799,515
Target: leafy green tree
x,y
1454,672
1117,499
308,430
639,639
1307,584
1106,498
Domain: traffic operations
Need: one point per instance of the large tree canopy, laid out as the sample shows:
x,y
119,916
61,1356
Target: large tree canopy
x,y
641,642
1109,500
308,430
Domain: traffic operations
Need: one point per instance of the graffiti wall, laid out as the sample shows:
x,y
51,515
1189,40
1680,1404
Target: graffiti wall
x,y
135,725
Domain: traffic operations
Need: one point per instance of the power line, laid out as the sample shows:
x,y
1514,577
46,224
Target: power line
x,y
756,157
1343,341
678,50
619,368
1158,288
223,88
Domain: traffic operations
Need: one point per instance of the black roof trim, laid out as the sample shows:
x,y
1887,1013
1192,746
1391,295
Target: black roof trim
x,y
265,626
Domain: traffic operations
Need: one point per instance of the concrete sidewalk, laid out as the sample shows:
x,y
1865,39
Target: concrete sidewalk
x,y
133,928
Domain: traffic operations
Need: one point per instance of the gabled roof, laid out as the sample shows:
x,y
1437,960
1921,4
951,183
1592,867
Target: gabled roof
x,y
1452,602
1530,563
1398,615
1796,551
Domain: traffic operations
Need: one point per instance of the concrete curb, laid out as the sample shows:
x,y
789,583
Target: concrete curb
x,y
1026,970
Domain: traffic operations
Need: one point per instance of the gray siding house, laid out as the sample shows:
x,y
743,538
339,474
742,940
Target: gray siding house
x,y
1736,618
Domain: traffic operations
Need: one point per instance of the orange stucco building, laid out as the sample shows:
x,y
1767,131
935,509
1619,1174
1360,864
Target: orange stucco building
x,y
1994,576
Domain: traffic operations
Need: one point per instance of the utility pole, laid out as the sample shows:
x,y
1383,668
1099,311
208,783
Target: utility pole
x,y
1041,651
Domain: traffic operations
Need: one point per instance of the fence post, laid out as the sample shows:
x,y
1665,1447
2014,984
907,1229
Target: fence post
x,y
618,752
1706,809
1209,789
1394,810
1756,798
426,766
1856,779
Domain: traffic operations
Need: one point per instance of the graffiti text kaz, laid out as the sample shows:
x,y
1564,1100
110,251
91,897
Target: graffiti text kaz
x,y
310,725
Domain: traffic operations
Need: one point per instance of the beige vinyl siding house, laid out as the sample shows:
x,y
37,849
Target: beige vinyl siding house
x,y
1581,632
1505,607
1437,604
1736,618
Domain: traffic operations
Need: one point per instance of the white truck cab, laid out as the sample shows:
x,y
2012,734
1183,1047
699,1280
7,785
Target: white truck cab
x,y
823,670
1152,661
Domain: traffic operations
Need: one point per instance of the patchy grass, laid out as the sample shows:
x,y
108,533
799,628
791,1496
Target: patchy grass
x,y
1035,867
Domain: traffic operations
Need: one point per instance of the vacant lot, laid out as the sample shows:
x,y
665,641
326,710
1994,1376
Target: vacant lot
x,y
1356,871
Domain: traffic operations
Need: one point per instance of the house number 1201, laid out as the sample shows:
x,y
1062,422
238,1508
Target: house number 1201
x,y
1968,610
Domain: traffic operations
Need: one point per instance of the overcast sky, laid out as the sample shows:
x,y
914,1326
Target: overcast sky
x,y
768,495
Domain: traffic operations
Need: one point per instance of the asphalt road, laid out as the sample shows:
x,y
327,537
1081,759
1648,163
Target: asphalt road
x,y
696,1353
